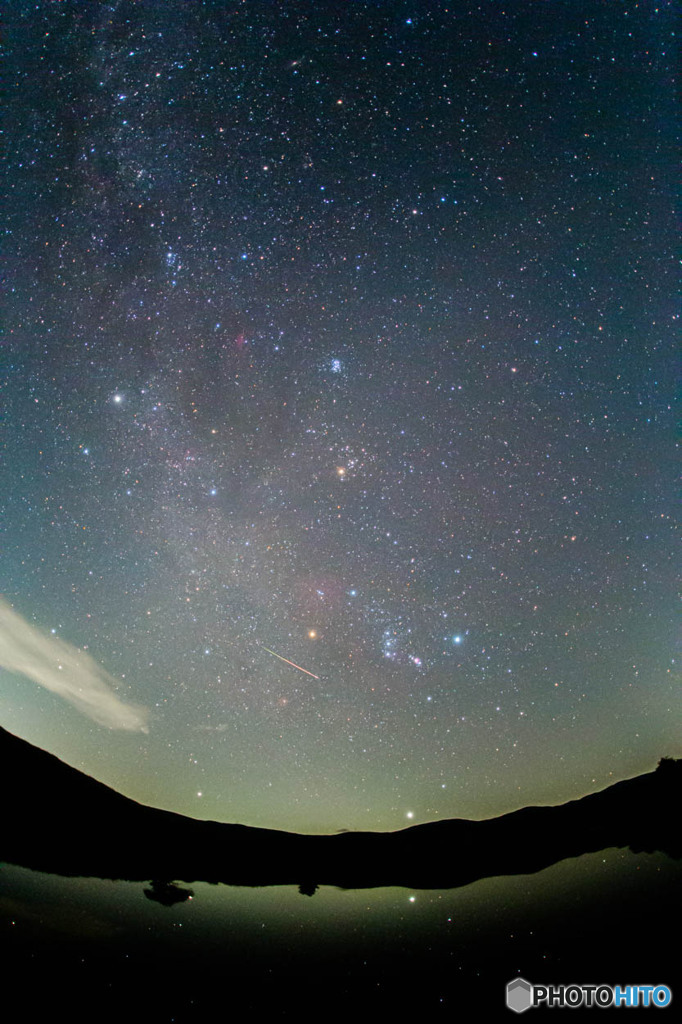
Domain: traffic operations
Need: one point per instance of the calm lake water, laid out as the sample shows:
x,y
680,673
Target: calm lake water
x,y
101,948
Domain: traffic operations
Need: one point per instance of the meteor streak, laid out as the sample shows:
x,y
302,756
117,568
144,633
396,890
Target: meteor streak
x,y
293,663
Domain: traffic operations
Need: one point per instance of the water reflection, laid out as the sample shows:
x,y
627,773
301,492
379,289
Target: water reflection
x,y
600,917
167,893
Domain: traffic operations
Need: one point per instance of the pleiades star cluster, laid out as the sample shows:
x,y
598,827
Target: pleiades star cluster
x,y
339,478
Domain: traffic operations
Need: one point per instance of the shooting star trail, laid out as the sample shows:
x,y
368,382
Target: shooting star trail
x,y
293,663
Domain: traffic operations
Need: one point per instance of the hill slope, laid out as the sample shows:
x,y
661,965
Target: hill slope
x,y
56,819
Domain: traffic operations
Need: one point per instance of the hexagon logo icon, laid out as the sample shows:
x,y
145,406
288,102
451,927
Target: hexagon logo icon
x,y
519,995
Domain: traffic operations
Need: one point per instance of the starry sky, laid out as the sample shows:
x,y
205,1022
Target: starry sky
x,y
338,408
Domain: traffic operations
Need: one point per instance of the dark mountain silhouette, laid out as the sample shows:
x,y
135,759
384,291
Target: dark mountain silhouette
x,y
56,819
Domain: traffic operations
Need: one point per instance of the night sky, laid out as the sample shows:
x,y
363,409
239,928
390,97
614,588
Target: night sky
x,y
340,333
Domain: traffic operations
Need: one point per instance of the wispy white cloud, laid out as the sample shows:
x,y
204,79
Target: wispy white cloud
x,y
65,670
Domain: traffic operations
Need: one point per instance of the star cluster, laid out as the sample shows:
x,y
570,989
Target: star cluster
x,y
339,341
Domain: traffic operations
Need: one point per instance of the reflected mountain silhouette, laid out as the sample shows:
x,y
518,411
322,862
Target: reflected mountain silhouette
x,y
56,819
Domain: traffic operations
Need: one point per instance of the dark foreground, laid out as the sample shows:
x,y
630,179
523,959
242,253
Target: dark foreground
x,y
584,893
57,820
104,951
